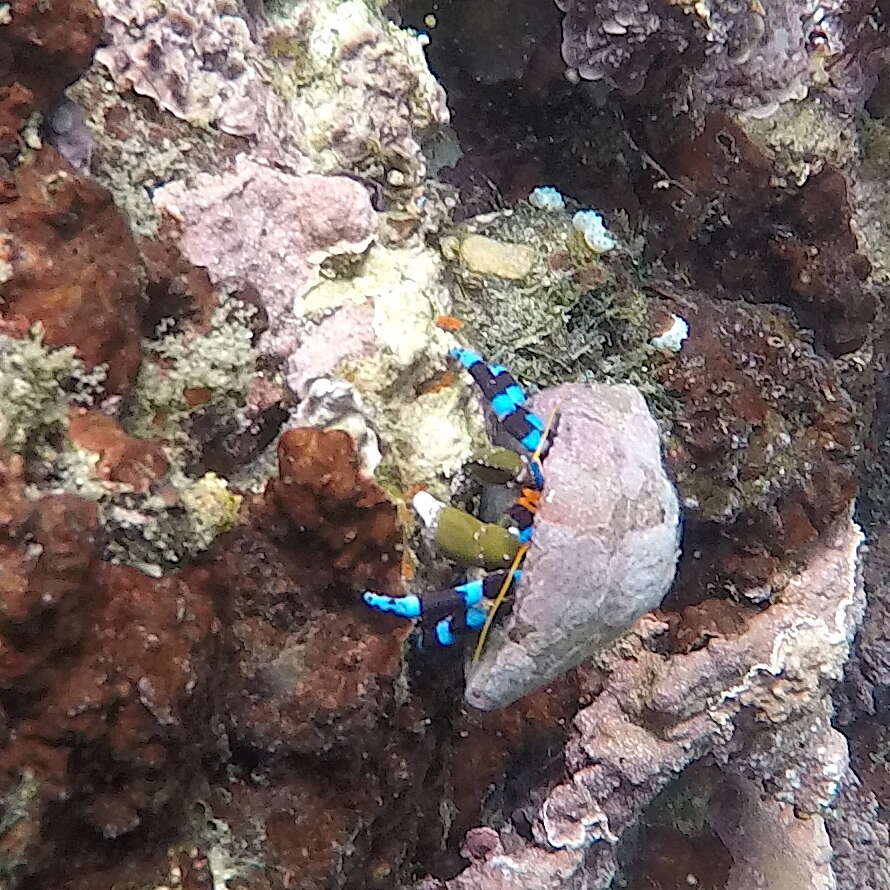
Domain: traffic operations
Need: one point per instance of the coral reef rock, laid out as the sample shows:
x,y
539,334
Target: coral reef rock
x,y
45,48
109,673
309,669
330,80
268,229
746,56
743,229
233,259
70,263
322,490
605,545
652,716
762,455
749,823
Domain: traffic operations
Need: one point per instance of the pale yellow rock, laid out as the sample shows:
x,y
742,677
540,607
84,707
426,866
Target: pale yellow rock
x,y
489,257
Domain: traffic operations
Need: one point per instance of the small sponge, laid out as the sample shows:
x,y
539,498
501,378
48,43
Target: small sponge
x,y
546,197
590,224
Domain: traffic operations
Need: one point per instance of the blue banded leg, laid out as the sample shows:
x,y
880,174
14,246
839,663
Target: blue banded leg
x,y
446,631
526,427
496,383
402,606
523,521
536,471
507,399
434,603
449,612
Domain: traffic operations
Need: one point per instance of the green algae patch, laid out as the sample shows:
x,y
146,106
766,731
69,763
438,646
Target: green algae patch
x,y
183,372
150,533
37,385
20,805
573,316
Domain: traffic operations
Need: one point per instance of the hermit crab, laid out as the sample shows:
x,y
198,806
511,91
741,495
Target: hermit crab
x,y
582,555
445,615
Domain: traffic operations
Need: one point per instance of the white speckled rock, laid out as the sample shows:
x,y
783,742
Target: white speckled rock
x,y
605,547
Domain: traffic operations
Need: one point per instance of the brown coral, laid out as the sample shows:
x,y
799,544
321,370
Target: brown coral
x,y
176,289
72,265
122,458
311,668
307,674
763,443
316,676
43,49
99,666
343,760
342,517
729,216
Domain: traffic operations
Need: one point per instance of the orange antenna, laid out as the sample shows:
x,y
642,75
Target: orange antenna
x,y
508,580
517,560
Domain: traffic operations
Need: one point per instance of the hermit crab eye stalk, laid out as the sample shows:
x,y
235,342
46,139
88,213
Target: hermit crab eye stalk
x,y
445,615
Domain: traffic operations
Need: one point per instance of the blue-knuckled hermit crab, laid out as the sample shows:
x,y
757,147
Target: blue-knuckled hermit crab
x,y
444,615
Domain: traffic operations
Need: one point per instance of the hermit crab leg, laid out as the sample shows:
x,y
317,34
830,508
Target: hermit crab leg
x,y
446,630
495,381
444,614
507,399
522,512
462,537
447,611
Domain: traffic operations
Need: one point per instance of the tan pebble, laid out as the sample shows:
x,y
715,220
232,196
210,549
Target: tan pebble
x,y
489,257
